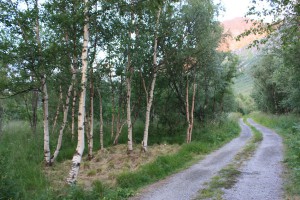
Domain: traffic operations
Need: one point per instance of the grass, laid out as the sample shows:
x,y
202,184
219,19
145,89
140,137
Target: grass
x,y
23,175
288,126
20,163
228,176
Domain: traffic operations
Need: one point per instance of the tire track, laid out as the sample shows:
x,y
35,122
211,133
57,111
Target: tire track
x,y
186,184
261,175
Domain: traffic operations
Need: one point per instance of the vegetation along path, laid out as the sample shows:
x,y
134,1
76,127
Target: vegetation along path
x,y
261,176
185,184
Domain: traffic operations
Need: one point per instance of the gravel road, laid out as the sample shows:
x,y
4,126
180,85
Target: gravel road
x,y
261,175
187,183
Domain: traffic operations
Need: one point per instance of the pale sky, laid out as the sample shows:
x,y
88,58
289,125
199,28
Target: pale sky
x,y
234,8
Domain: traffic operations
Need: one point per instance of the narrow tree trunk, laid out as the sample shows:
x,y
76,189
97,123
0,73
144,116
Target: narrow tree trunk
x,y
35,98
118,133
187,109
91,120
190,114
192,111
101,120
46,123
128,86
57,109
73,112
150,99
113,106
65,118
128,113
47,153
81,111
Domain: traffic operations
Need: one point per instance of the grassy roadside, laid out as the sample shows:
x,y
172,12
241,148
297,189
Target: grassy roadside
x,y
228,176
22,171
288,126
129,182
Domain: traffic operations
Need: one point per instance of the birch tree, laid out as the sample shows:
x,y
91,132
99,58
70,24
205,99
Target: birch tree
x,y
150,95
81,111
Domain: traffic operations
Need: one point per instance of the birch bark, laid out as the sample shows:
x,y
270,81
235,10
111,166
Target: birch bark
x,y
112,105
190,114
81,111
57,109
101,119
128,85
46,122
73,113
91,118
150,99
45,100
65,118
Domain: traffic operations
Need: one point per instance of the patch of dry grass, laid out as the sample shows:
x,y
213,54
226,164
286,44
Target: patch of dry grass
x,y
107,164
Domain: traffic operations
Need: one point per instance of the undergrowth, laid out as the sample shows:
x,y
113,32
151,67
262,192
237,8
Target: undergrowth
x,y
22,168
288,126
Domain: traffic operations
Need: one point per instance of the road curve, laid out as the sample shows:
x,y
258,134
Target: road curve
x,y
186,184
261,175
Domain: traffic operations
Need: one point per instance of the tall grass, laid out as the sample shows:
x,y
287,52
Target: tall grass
x,y
22,168
206,139
21,158
288,126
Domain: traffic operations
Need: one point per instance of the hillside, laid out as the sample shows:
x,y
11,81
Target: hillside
x,y
233,28
248,57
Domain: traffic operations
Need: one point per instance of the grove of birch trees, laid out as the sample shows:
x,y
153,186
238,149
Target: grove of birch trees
x,y
70,64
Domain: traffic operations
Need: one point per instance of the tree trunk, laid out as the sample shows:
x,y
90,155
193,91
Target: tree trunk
x,y
65,118
35,98
128,113
190,114
192,111
47,152
81,111
113,106
150,99
128,85
187,109
91,118
46,123
73,112
120,127
57,109
101,120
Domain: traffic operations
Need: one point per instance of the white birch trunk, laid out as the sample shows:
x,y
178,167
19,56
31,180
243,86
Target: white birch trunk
x,y
57,109
190,114
47,154
81,111
73,113
187,109
101,120
91,124
128,112
65,118
192,111
113,106
150,99
128,97
120,127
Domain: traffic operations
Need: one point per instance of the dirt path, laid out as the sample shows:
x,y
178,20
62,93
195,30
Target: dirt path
x,y
187,183
261,175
